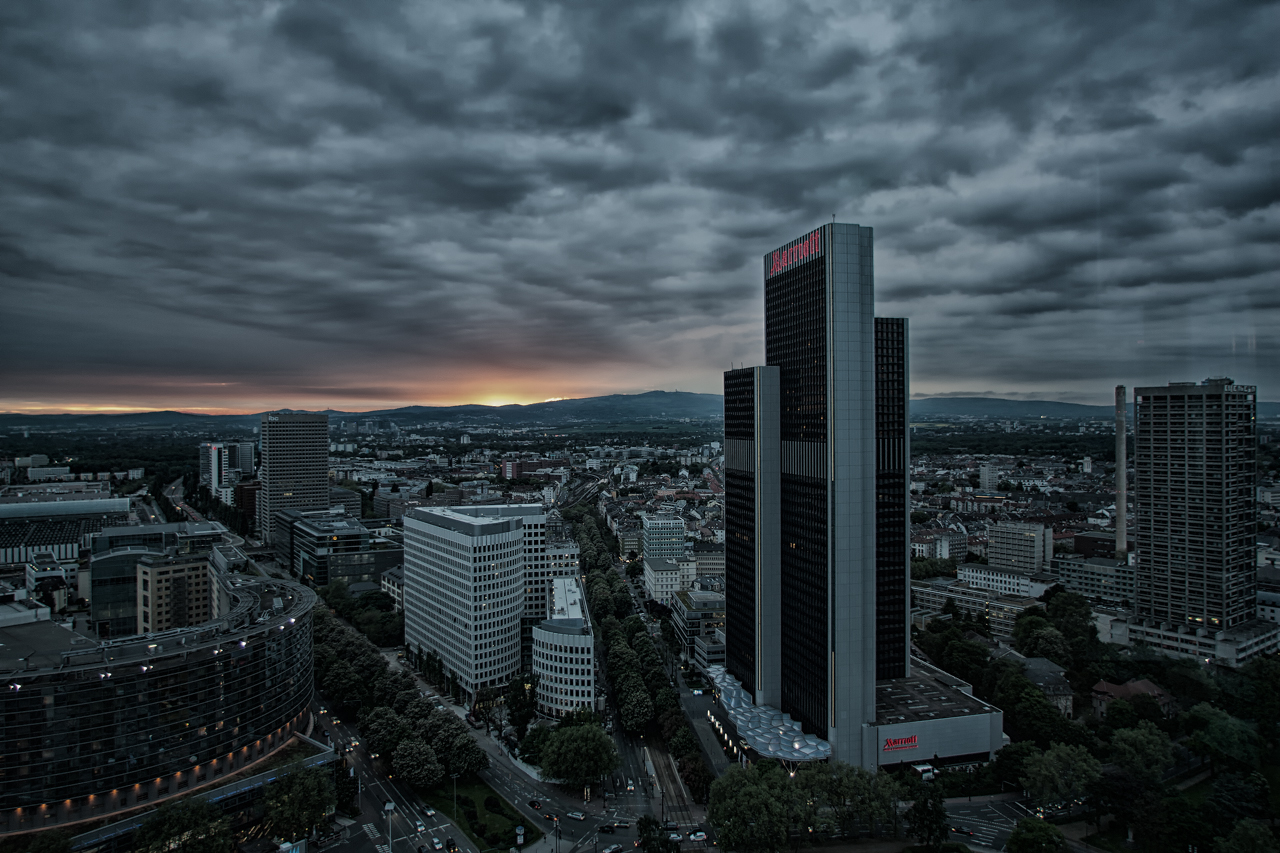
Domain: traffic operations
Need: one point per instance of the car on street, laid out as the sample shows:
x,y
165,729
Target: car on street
x,y
419,826
576,815
334,721
535,804
429,812
612,848
670,826
621,824
962,830
450,845
608,827
697,836
676,837
548,816
631,786
436,845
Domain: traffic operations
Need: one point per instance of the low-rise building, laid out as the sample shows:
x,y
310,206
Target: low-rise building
x,y
1000,610
1104,693
393,585
696,613
1007,581
1102,580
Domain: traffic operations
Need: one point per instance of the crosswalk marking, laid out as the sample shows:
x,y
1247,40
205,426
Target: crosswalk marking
x,y
371,830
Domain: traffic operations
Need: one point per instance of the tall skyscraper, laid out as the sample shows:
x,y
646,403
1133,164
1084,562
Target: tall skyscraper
x,y
893,509
295,466
820,337
1195,485
214,464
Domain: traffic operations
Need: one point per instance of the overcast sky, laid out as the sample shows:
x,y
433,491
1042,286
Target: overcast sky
x,y
240,205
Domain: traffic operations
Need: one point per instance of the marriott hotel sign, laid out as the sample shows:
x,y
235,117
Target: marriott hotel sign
x,y
794,253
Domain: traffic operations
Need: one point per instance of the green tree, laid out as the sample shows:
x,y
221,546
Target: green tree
x,y
1060,773
383,730
1221,737
636,710
579,755
53,841
415,762
191,824
1033,835
464,755
1048,643
1144,752
747,813
532,744
927,818
1011,760
299,801
1248,836
522,702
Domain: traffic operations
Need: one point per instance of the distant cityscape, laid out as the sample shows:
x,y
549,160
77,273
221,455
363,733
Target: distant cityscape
x,y
1011,627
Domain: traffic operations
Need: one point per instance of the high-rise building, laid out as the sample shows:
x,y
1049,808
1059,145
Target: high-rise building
x,y
1194,484
214,464
1019,546
546,555
1195,479
295,466
816,532
464,579
240,456
893,509
820,343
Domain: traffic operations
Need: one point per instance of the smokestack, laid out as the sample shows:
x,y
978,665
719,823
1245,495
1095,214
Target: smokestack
x,y
1122,466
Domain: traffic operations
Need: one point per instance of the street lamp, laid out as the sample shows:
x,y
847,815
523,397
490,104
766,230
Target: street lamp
x,y
455,776
389,807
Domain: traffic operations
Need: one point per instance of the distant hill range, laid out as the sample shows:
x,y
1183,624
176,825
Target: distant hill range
x,y
995,407
614,408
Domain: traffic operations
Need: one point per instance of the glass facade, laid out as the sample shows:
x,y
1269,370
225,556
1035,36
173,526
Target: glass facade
x,y
92,727
892,488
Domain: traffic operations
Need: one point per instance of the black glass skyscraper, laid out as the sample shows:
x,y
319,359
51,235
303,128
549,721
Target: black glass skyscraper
x,y
831,444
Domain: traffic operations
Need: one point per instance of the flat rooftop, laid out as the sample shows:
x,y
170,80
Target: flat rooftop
x,y
35,645
927,694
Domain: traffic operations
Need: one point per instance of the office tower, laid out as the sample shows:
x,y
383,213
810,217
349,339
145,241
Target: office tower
x,y
893,509
547,555
214,464
1122,473
663,537
1019,547
753,639
1195,479
295,466
820,337
240,456
464,579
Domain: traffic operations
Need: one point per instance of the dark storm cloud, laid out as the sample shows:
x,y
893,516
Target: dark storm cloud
x,y
403,201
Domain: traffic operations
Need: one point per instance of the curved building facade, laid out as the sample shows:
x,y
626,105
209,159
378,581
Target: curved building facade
x,y
564,652
88,727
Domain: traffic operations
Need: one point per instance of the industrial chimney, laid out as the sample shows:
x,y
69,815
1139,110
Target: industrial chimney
x,y
1122,467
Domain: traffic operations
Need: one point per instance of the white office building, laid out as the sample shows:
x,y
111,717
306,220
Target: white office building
x,y
464,591
564,652
663,537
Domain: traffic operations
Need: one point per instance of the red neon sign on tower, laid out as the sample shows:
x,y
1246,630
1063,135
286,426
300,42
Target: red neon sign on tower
x,y
808,246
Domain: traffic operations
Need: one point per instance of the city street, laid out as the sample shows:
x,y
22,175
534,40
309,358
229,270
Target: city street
x,y
990,822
